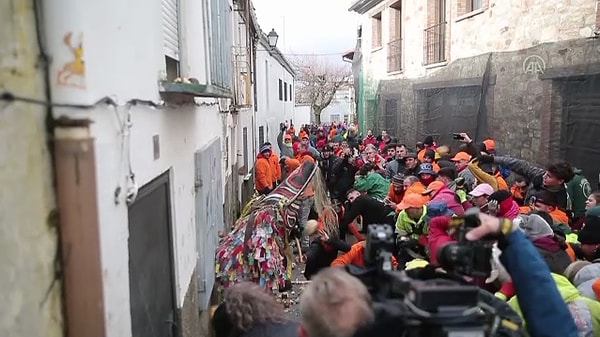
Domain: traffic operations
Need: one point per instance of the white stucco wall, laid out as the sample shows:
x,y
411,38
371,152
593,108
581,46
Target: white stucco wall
x,y
31,301
341,105
271,111
302,115
505,25
124,59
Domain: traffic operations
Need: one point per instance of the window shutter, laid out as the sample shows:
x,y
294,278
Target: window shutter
x,y
170,18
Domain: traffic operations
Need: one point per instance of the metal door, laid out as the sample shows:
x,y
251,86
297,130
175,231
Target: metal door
x,y
581,124
449,110
209,215
152,294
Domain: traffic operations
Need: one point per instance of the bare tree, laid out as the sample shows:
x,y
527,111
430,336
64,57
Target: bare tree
x,y
317,81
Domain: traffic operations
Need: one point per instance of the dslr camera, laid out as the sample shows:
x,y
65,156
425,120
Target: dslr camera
x,y
426,303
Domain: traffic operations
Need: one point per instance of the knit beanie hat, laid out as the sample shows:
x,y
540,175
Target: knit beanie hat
x,y
398,179
265,148
574,268
534,226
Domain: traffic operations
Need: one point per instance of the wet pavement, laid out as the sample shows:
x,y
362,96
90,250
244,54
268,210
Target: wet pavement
x,y
291,299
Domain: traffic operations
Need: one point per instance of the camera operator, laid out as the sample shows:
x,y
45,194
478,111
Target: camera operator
x,y
356,257
372,211
344,171
327,162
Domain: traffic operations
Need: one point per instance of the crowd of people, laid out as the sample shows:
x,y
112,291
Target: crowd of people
x,y
547,267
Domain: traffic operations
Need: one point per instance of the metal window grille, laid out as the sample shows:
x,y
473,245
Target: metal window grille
x,y
394,56
434,49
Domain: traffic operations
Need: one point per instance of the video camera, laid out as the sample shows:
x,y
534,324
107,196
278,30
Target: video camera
x,y
428,303
464,257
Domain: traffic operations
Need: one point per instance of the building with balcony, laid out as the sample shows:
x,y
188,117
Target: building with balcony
x,y
526,72
124,125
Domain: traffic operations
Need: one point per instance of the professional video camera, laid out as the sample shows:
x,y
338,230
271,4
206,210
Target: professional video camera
x,y
464,257
423,302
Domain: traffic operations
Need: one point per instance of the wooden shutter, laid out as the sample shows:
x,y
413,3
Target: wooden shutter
x,y
170,19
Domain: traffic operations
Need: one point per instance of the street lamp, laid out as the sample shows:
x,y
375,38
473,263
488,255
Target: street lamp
x,y
272,37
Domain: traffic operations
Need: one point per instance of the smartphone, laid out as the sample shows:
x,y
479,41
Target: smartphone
x,y
457,136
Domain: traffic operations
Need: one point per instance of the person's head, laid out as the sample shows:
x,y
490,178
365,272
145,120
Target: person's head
x,y
370,152
426,173
446,174
411,161
409,181
429,156
303,147
369,133
335,145
245,304
287,139
544,201
391,151
461,160
558,174
326,151
334,304
521,183
480,194
265,150
428,142
400,151
589,235
398,183
352,194
344,144
412,204
305,140
592,200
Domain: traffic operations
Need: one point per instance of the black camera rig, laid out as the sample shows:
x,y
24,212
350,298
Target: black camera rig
x,y
425,302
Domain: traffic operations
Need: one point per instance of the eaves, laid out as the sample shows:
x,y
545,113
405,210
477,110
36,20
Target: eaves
x,y
363,6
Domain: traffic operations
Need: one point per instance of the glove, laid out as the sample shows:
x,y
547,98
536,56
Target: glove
x,y
462,195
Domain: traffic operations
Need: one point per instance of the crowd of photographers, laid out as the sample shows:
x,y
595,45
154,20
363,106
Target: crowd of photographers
x,y
529,236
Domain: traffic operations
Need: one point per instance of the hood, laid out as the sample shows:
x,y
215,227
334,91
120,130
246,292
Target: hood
x,y
577,171
566,289
260,156
587,273
546,243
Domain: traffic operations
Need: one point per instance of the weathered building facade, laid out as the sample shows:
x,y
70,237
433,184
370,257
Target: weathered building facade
x,y
526,72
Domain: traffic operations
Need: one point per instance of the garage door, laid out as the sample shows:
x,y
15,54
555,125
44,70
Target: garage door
x,y
449,110
581,126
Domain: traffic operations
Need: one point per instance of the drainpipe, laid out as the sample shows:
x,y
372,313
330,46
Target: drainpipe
x,y
75,172
79,228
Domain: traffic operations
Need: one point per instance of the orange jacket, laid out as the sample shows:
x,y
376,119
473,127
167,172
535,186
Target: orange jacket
x,y
263,176
302,157
275,167
395,198
416,188
502,185
356,256
596,288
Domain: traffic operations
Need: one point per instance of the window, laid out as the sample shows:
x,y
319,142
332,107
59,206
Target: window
x,y
434,46
245,145
291,96
394,50
280,90
170,21
220,44
377,27
285,91
261,135
473,5
334,118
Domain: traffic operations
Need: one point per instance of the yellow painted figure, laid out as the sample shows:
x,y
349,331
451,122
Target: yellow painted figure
x,y
76,67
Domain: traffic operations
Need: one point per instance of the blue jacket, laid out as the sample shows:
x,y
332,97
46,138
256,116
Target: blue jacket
x,y
542,306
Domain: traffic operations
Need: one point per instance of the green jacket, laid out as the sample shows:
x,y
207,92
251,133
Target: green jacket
x,y
405,226
579,190
374,184
585,311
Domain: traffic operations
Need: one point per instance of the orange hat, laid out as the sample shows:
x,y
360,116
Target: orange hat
x,y
411,200
461,156
490,144
434,187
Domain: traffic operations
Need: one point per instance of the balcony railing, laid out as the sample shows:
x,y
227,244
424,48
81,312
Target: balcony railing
x,y
434,44
394,55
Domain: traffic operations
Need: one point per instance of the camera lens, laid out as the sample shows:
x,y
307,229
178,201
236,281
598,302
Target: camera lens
x,y
454,257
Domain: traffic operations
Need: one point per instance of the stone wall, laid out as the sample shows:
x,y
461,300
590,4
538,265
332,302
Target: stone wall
x,y
523,105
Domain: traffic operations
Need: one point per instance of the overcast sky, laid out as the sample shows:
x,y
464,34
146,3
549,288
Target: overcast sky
x,y
309,26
